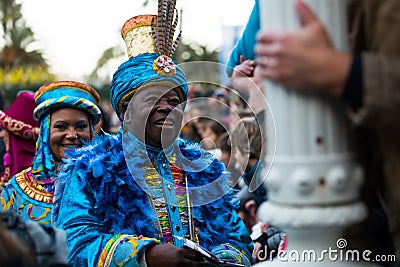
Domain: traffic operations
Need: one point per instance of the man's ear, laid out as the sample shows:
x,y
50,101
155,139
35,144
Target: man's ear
x,y
127,114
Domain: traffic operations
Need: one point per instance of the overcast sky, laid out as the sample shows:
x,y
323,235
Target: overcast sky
x,y
73,34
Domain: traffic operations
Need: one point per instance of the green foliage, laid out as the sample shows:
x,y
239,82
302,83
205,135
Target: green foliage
x,y
20,68
15,79
195,52
17,37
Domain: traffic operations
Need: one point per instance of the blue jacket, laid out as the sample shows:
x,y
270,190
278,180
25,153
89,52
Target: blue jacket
x,y
113,204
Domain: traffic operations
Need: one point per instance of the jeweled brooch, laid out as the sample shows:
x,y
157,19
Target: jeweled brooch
x,y
164,66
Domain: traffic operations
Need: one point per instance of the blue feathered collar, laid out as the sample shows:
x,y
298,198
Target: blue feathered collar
x,y
124,207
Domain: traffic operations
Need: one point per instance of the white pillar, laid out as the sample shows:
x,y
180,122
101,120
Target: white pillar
x,y
313,185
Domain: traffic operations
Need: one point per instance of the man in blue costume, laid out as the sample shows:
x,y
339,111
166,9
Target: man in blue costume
x,y
129,199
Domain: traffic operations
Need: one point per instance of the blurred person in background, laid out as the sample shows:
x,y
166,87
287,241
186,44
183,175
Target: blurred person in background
x,y
248,143
19,132
247,148
213,130
225,145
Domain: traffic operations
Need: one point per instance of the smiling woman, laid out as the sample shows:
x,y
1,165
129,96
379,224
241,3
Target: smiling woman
x,y
68,128
67,112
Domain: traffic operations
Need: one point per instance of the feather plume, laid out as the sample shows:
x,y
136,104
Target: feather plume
x,y
154,32
159,29
164,32
176,42
170,29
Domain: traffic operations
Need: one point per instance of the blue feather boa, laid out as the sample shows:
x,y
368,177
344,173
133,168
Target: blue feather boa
x,y
123,206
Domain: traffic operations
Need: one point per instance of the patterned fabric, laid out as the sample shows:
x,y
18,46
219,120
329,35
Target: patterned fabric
x,y
18,127
138,73
43,163
23,132
97,195
125,244
67,94
31,200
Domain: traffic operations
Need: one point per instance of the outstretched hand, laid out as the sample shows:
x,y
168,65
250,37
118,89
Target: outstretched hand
x,y
304,60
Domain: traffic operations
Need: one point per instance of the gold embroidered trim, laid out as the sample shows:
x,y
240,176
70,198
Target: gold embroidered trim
x,y
18,127
28,187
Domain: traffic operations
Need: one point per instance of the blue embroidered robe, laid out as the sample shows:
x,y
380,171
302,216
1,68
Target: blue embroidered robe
x,y
29,199
109,219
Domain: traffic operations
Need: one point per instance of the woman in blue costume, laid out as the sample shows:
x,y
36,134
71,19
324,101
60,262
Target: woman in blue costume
x,y
129,199
66,111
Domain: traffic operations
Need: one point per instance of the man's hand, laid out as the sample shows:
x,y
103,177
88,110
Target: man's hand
x,y
245,68
168,255
304,60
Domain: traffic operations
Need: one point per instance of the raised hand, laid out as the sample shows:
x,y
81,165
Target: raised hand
x,y
304,60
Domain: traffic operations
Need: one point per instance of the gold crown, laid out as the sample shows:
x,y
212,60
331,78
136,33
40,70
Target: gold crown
x,y
138,35
153,33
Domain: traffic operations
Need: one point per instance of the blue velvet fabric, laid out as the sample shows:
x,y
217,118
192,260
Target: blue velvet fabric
x,y
97,198
245,45
137,72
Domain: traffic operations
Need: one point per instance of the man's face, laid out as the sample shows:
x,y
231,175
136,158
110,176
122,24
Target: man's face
x,y
154,116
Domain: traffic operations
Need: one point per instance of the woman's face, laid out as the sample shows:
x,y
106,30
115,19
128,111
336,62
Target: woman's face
x,y
4,135
69,127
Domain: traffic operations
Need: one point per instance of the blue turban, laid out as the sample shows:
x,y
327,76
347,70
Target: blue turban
x,y
48,98
139,72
